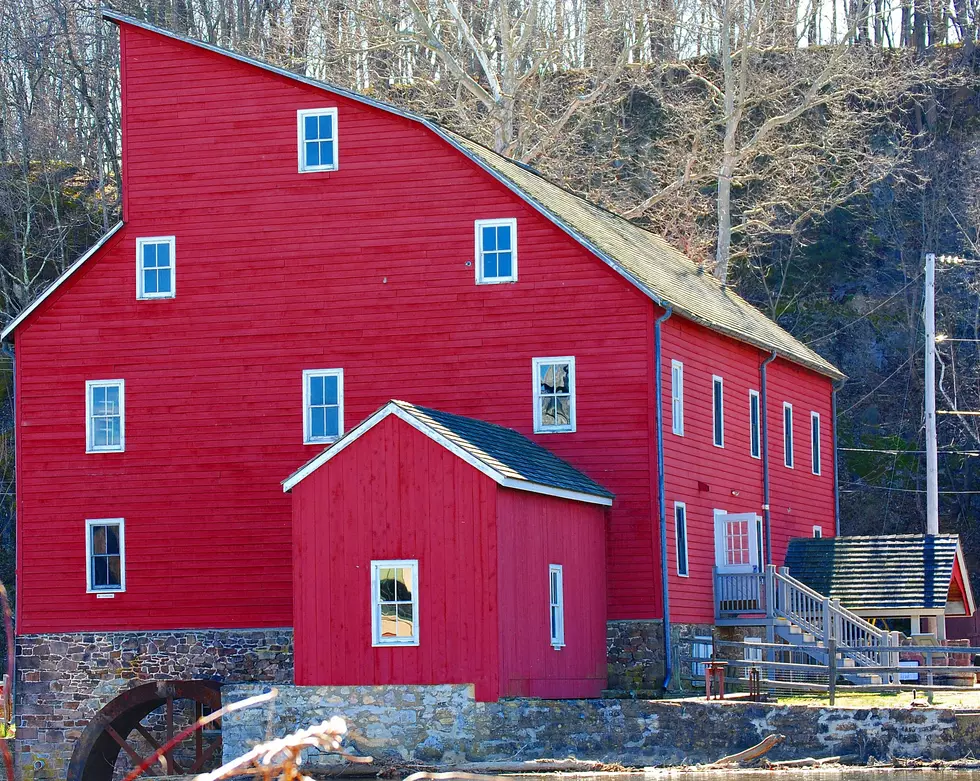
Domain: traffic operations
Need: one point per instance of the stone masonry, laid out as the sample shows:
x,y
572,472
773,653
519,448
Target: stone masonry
x,y
635,656
63,680
444,725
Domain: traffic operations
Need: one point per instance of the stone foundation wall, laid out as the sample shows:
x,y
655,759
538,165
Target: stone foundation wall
x,y
444,725
635,656
65,679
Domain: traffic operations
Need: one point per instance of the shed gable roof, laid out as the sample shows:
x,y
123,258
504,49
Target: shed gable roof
x,y
506,456
645,259
891,571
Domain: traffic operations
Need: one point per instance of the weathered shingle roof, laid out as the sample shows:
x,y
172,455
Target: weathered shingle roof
x,y
892,571
505,455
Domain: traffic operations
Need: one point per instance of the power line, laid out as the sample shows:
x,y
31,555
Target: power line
x,y
897,452
967,412
907,490
866,314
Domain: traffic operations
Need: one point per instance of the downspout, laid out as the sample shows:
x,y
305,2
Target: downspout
x,y
764,422
833,427
661,497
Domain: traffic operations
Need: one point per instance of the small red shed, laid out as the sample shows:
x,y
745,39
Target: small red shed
x,y
431,548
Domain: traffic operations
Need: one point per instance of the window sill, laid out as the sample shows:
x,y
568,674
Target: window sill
x,y
554,431
106,593
320,170
89,450
324,441
412,644
557,646
167,297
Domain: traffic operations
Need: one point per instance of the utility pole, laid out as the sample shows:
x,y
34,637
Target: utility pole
x,y
932,460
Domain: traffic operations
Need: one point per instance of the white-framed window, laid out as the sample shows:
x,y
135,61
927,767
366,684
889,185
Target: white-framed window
x,y
788,434
395,602
755,425
702,649
817,532
105,555
318,142
677,397
680,538
496,251
105,416
155,267
554,394
815,442
556,605
718,410
323,405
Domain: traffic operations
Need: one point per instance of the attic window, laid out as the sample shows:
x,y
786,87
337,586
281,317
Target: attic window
x,y
554,395
155,267
323,405
496,251
317,129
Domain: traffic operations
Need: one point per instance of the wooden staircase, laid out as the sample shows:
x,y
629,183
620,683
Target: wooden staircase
x,y
803,619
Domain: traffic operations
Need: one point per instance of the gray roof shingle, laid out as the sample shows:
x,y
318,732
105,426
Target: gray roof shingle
x,y
892,571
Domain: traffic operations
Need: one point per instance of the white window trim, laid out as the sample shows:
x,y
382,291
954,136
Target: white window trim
x,y
89,442
89,523
301,115
141,295
377,641
755,399
720,381
539,428
308,439
478,227
788,454
677,394
557,639
677,545
818,532
816,456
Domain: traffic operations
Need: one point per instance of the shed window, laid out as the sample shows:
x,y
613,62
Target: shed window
x,y
105,555
680,537
788,434
395,602
718,410
317,140
557,606
323,405
815,442
496,251
755,425
105,414
817,532
677,397
554,395
155,267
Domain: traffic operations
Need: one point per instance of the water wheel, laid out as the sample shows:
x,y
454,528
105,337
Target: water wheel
x,y
141,720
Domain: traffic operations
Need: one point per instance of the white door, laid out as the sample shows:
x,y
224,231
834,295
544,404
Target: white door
x,y
736,542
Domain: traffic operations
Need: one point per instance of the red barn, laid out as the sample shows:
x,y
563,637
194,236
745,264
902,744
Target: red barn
x,y
291,256
469,532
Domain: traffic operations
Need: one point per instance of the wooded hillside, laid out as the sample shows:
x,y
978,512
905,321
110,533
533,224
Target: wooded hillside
x,y
806,151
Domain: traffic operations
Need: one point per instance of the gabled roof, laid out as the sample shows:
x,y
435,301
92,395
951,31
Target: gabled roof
x,y
504,455
645,259
900,572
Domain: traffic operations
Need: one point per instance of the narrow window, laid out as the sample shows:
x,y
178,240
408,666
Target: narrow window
x,y
155,267
788,434
317,130
496,251
323,405
755,425
105,413
677,397
751,654
702,649
680,537
760,542
557,606
105,557
817,532
554,395
395,602
815,442
718,410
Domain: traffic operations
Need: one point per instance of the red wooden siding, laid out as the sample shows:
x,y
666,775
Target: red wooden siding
x,y
536,531
396,494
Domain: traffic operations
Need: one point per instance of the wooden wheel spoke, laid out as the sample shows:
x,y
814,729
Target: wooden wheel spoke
x,y
124,745
205,755
148,737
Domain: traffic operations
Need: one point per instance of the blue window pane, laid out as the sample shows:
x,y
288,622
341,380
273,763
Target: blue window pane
x,y
114,433
490,265
332,421
503,237
318,422
150,281
309,128
326,153
503,264
163,281
312,153
489,239
163,255
330,389
149,255
316,391
112,399
98,398
326,126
